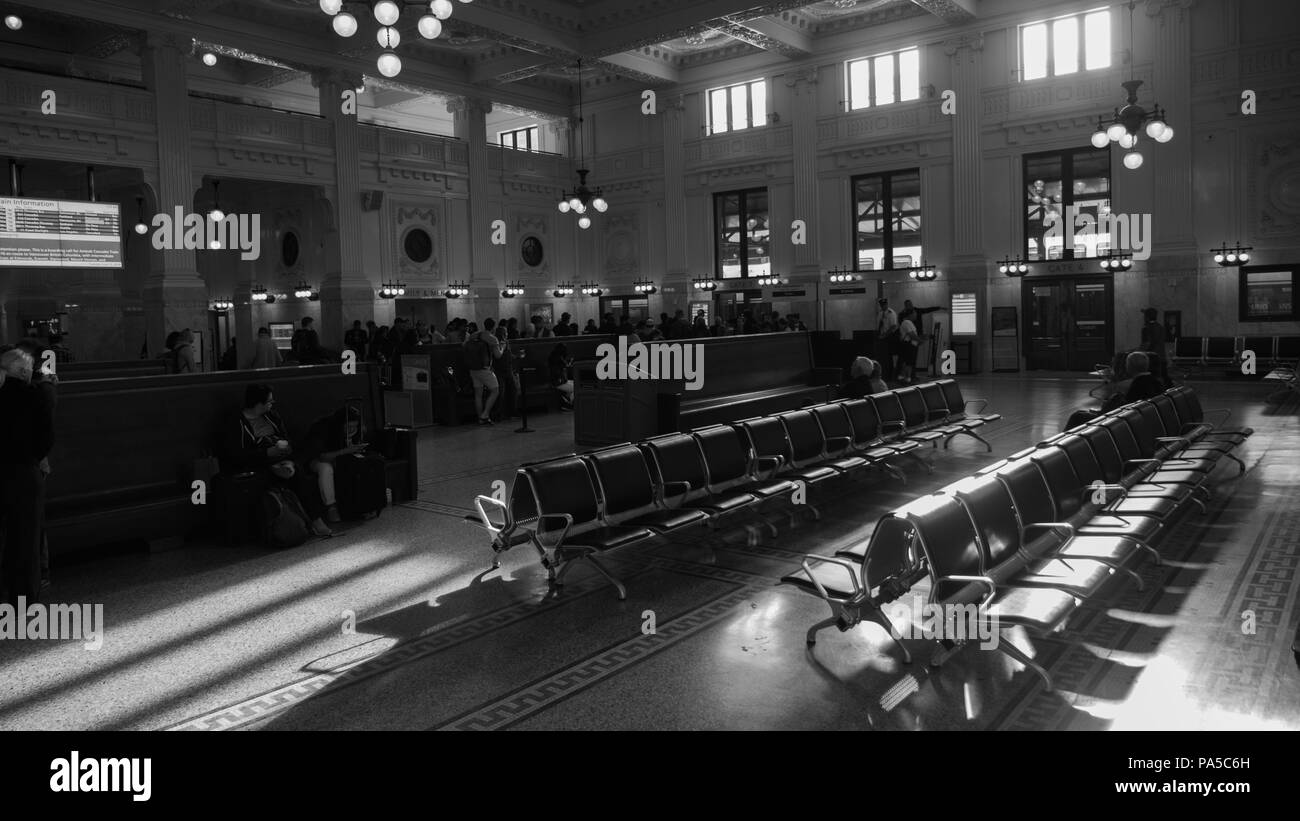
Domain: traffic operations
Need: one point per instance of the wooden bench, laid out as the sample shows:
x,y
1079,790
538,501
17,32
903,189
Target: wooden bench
x,y
125,449
111,369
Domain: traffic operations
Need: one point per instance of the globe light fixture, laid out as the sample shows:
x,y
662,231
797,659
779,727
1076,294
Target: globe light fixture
x,y
331,7
209,59
389,64
387,12
13,21
345,25
429,27
1013,267
644,286
441,9
1131,120
388,37
1232,257
584,222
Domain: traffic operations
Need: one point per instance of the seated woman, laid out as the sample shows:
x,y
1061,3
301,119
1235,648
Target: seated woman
x,y
558,363
342,433
864,379
257,440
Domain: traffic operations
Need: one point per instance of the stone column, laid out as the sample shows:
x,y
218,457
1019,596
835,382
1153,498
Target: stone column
x,y
676,266
967,162
175,297
1171,161
469,117
345,294
95,325
803,126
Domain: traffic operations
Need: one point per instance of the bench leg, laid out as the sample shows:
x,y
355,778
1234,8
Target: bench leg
x,y
972,434
1015,653
878,616
600,568
895,471
819,626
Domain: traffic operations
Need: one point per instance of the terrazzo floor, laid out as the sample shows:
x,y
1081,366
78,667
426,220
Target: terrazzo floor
x,y
396,623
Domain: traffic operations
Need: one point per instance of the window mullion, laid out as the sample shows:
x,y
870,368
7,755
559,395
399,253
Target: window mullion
x,y
887,218
1051,48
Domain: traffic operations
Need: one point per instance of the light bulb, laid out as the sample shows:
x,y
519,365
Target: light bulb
x,y
1166,135
584,222
215,244
1114,132
13,21
331,7
387,12
574,202
1024,268
345,25
563,206
1218,258
1099,139
402,292
581,209
430,27
1105,265
209,59
216,215
1231,258
441,9
1002,269
388,37
1128,140
390,65
1243,257
1154,129
141,228
1132,160
600,204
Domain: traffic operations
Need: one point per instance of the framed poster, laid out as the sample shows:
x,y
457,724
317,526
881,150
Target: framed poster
x,y
1267,293
546,310
282,333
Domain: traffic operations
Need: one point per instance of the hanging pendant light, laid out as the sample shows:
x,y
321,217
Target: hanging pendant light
x,y
582,197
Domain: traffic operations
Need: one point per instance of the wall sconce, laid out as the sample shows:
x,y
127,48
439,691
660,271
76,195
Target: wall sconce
x,y
1231,257
1013,267
259,294
644,286
454,290
924,272
222,305
304,291
706,284
513,289
839,275
766,281
1116,262
591,289
563,289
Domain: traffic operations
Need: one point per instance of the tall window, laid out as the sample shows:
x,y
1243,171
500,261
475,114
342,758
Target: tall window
x,y
743,105
1053,48
521,139
884,79
743,234
887,219
1066,192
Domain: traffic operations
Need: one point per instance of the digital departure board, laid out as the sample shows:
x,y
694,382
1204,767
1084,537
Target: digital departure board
x,y
60,234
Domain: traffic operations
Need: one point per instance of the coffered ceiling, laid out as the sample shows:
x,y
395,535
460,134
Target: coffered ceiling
x,y
520,54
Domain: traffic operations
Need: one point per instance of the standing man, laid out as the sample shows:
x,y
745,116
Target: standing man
x,y
26,436
356,339
482,349
886,338
1153,341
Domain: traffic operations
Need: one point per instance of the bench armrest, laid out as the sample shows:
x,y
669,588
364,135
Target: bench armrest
x,y
840,442
848,566
985,580
568,523
678,488
1123,491
1068,529
983,403
899,424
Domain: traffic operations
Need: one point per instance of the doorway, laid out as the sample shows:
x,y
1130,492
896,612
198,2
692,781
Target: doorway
x,y
733,304
635,308
1070,323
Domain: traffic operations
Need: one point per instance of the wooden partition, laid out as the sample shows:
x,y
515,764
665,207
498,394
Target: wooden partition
x,y
111,369
125,448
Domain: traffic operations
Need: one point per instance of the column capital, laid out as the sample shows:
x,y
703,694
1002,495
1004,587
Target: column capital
x,y
1166,9
341,78
969,43
470,105
802,78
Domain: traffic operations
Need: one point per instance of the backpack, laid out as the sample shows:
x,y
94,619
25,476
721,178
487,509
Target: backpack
x,y
285,522
477,355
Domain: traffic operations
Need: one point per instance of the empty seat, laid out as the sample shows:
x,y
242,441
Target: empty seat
x,y
683,474
734,470
769,439
958,405
630,495
893,419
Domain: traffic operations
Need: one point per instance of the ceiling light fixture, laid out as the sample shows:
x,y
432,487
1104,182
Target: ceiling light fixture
x,y
840,275
1013,267
924,272
388,13
216,214
13,21
644,286
1131,121
209,59
513,289
141,227
1116,261
706,284
392,290
582,196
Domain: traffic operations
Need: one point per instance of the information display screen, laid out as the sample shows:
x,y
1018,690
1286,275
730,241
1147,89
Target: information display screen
x,y
60,234
964,314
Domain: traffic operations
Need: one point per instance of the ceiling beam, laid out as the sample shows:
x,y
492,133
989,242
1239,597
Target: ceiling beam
x,y
952,12
768,35
639,66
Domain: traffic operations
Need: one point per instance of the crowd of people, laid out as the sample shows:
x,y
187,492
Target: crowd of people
x,y
27,400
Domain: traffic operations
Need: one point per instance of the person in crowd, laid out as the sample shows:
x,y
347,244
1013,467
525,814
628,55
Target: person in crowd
x,y
608,325
886,338
795,323
435,336
26,437
507,376
700,327
183,353
230,359
256,439
573,329
914,313
591,328
47,382
512,328
625,326
305,344
341,433
1153,341
562,327
860,382
909,342
265,352
61,354
379,344
371,329
482,349
539,327
558,363
356,339
1143,384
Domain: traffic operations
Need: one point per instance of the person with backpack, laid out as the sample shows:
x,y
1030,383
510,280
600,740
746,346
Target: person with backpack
x,y
481,350
256,440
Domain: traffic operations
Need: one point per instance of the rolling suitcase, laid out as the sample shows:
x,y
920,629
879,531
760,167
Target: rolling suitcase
x,y
360,481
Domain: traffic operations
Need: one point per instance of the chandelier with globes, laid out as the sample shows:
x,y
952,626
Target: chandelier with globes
x,y
1132,121
386,14
582,197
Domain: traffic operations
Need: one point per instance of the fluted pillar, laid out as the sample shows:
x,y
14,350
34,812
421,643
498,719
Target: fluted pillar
x,y
675,189
175,297
1172,161
967,163
469,118
803,126
345,293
